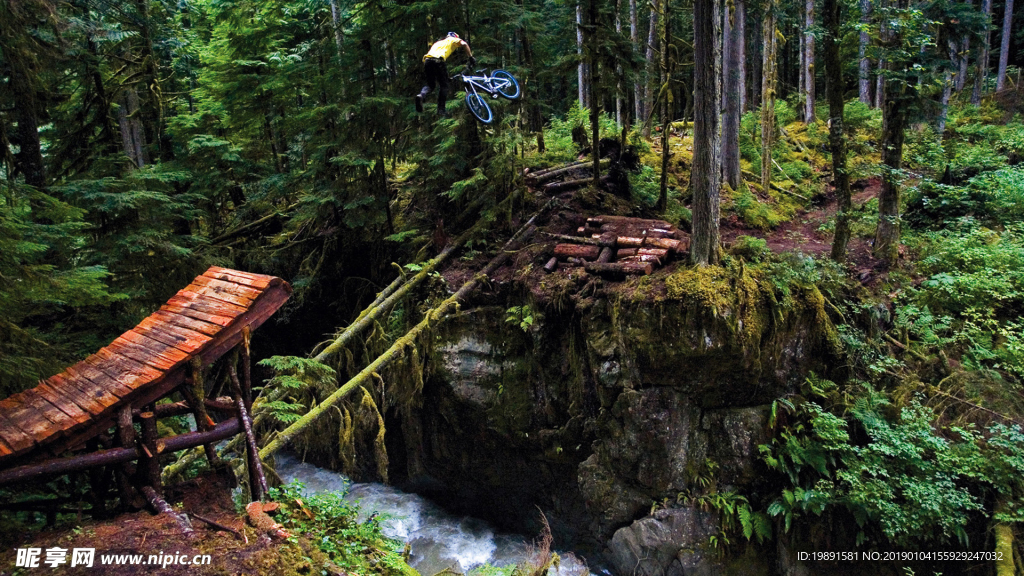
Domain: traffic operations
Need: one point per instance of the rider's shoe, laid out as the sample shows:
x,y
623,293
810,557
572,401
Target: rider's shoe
x,y
419,102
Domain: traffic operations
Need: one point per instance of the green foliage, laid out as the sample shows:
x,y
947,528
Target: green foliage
x,y
992,198
297,385
907,482
521,316
331,522
750,248
43,284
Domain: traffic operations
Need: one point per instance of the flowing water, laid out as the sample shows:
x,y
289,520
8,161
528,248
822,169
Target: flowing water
x,y
437,539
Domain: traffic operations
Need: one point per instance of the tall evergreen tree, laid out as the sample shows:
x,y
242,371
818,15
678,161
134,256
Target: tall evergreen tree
x,y
706,173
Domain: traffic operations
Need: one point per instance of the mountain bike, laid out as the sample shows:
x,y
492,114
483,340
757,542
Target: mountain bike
x,y
499,83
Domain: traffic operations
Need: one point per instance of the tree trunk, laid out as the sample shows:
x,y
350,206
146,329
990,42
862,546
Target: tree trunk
x,y
339,34
618,68
982,71
864,65
634,37
894,120
768,71
1004,49
595,101
666,98
707,170
834,89
964,59
808,69
651,38
581,68
947,91
732,64
29,159
740,22
132,135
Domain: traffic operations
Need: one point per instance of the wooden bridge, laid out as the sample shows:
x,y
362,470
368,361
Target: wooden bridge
x,y
165,353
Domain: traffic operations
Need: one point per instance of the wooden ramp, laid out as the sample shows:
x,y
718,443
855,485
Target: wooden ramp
x,y
148,362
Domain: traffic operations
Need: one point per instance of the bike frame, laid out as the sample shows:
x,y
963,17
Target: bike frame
x,y
486,83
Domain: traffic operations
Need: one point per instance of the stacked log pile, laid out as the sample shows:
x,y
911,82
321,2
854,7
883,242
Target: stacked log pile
x,y
619,246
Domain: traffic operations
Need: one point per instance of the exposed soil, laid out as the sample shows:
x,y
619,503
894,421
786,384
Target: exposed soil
x,y
803,234
145,534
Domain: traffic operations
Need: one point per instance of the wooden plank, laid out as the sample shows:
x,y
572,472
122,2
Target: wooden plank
x,y
27,418
128,380
119,363
215,293
5,450
13,436
155,346
185,340
189,297
257,282
102,380
169,317
94,390
61,421
170,340
65,403
129,349
204,313
228,287
62,383
242,273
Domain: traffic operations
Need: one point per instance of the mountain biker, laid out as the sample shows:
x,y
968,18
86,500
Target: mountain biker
x,y
435,68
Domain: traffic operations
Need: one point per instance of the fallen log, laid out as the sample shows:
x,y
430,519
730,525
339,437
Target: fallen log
x,y
645,232
162,507
620,268
605,256
551,174
582,251
552,265
380,305
556,187
596,240
664,243
643,258
629,252
609,218
543,171
397,349
219,526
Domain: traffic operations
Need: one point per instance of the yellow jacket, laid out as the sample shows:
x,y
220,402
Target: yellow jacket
x,y
443,49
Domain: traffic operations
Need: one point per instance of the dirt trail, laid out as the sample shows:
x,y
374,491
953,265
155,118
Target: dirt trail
x,y
802,234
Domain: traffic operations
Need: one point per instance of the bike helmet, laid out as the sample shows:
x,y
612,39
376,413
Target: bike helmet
x,y
453,35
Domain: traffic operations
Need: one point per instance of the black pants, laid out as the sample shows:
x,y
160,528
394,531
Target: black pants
x,y
436,72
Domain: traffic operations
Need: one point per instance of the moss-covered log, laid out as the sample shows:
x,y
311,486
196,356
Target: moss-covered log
x,y
396,351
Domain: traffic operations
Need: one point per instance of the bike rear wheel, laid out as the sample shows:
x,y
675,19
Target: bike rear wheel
x,y
479,107
507,85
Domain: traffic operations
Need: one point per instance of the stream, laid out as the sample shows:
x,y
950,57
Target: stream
x,y
437,539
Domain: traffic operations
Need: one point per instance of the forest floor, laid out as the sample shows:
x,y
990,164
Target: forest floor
x,y
803,232
142,533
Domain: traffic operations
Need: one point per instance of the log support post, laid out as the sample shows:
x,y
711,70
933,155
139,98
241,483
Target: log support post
x,y
195,392
149,463
97,484
246,368
126,436
257,480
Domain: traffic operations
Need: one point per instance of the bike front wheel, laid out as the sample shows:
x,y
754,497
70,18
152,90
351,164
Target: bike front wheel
x,y
505,84
479,107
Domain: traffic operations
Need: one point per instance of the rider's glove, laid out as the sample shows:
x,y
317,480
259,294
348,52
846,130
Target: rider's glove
x,y
472,61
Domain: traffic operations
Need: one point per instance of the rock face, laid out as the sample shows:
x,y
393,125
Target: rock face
x,y
608,414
